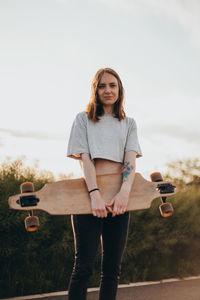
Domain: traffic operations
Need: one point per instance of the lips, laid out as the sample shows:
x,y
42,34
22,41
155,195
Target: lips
x,y
108,97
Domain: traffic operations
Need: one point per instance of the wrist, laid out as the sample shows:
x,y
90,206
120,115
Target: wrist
x,y
125,189
94,194
93,190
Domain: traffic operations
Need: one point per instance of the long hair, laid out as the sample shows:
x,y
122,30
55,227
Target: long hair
x,y
94,108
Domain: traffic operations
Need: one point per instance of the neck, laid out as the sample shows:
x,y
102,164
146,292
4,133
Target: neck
x,y
108,110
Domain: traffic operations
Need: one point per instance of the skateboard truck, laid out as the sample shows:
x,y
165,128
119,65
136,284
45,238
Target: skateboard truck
x,y
31,222
26,201
166,208
166,188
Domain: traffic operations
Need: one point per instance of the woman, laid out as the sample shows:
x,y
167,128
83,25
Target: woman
x,y
105,141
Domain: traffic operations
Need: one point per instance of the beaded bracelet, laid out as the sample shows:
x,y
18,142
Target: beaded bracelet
x,y
96,189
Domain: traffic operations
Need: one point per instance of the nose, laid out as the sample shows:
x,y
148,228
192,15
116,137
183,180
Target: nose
x,y
107,89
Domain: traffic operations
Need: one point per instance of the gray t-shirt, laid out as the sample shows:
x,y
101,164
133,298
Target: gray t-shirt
x,y
108,138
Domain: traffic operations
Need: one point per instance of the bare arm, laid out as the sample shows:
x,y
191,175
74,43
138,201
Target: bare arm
x,y
89,171
119,202
97,202
129,171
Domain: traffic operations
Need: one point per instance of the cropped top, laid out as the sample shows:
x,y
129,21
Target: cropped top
x,y
108,138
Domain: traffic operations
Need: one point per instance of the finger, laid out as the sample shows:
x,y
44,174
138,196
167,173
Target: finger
x,y
122,210
98,213
94,213
105,213
115,209
102,213
109,209
114,213
118,210
110,203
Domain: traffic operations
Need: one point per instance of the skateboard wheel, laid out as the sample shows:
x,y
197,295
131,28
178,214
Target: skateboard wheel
x,y
156,176
32,223
27,187
166,209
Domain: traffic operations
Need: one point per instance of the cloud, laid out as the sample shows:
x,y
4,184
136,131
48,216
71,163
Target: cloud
x,y
62,1
29,134
173,131
1,143
186,13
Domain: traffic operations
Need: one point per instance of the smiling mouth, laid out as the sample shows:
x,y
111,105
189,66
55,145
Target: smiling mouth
x,y
108,97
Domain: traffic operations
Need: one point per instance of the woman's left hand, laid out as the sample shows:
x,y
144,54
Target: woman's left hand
x,y
118,204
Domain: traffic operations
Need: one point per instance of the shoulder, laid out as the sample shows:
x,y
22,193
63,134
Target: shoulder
x,y
81,117
130,121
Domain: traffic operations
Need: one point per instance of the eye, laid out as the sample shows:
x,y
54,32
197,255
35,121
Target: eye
x,y
101,86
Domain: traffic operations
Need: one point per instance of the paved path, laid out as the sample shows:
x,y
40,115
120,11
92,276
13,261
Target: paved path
x,y
188,289
171,289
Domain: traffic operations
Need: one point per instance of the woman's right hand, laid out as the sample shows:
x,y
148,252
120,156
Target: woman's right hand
x,y
98,205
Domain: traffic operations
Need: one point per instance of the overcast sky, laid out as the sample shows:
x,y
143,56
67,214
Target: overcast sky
x,y
50,51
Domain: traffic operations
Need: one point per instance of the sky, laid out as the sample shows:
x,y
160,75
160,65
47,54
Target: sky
x,y
50,51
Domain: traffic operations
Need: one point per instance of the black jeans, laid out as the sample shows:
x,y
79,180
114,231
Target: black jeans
x,y
87,233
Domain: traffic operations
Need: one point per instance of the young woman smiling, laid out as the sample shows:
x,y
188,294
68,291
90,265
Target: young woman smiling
x,y
105,141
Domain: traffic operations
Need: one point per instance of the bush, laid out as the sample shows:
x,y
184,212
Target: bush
x,y
31,262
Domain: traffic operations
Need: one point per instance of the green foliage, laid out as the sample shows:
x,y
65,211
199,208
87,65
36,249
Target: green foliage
x,y
42,261
185,172
31,262
164,247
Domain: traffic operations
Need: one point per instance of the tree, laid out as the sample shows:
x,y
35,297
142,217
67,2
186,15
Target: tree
x,y
185,171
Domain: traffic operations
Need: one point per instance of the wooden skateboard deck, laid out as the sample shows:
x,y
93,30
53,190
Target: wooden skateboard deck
x,y
71,196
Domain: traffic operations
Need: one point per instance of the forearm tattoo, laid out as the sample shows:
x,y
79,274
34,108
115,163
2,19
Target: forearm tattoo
x,y
127,170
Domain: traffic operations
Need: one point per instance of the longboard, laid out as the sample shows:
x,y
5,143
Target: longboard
x,y
71,196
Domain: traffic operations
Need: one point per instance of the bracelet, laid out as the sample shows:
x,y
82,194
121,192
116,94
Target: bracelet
x,y
96,189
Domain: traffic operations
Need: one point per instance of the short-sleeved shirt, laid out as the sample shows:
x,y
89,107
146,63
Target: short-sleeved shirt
x,y
108,138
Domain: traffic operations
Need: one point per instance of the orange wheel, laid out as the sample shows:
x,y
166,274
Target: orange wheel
x,y
166,209
27,187
32,223
156,176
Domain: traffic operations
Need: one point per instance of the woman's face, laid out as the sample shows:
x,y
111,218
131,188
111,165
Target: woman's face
x,y
108,90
